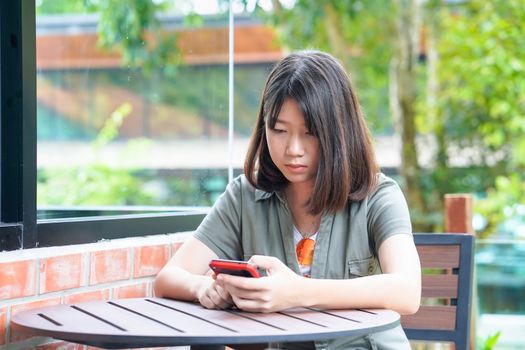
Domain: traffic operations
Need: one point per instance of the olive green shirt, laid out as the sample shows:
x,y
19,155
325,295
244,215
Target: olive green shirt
x,y
246,221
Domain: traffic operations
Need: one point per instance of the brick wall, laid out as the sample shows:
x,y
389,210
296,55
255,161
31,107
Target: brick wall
x,y
122,268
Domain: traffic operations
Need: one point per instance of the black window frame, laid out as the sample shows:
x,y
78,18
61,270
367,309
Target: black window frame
x,y
19,227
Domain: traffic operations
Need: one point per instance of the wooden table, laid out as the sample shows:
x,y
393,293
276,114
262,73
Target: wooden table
x,y
152,322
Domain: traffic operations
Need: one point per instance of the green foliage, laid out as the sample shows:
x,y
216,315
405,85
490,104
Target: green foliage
x,y
490,342
186,192
95,183
503,201
110,129
481,67
98,183
130,27
126,24
62,7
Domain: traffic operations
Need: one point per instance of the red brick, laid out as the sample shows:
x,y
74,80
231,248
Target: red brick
x,y
3,312
17,335
132,291
110,265
60,345
149,260
102,294
17,279
61,272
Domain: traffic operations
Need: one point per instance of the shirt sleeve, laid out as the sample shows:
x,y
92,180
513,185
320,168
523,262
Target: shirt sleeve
x,y
387,213
221,228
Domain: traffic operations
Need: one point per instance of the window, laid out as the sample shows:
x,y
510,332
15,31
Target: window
x,y
111,145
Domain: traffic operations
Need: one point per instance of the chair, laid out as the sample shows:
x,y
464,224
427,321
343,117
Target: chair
x,y
447,262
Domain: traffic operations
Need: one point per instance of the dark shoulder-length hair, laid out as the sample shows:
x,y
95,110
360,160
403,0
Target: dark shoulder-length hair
x,y
347,168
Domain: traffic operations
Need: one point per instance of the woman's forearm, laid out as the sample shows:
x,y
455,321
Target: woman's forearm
x,y
185,275
389,291
178,283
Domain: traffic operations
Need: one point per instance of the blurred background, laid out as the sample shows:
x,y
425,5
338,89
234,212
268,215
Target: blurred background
x,y
133,110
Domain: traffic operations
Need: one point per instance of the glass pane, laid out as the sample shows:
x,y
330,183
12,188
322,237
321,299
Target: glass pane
x,y
132,107
500,277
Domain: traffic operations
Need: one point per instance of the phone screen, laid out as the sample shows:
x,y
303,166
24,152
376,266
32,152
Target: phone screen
x,y
234,267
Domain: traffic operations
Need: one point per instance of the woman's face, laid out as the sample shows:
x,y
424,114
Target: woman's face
x,y
294,150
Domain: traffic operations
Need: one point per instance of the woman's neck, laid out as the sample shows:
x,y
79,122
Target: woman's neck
x,y
298,194
297,197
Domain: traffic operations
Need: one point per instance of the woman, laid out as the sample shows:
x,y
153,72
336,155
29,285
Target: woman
x,y
311,209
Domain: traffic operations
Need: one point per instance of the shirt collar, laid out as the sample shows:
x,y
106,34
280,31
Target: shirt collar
x,y
262,195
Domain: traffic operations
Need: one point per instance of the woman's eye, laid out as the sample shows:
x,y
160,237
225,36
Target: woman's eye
x,y
278,131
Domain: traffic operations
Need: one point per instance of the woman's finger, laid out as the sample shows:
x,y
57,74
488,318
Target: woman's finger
x,y
249,294
239,283
207,302
251,305
265,262
224,294
215,298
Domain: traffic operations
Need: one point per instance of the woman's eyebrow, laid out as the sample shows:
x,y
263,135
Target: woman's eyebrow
x,y
278,120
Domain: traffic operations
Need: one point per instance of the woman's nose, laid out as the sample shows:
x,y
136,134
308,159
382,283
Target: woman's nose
x,y
295,146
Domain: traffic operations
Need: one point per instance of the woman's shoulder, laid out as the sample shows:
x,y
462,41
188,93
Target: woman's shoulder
x,y
386,189
384,183
241,183
243,187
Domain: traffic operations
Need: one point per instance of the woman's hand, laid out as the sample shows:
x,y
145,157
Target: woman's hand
x,y
274,292
213,296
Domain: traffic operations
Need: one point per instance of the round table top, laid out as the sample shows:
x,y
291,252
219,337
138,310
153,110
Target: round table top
x,y
150,322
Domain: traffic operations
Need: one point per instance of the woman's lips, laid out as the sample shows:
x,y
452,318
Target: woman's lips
x,y
296,168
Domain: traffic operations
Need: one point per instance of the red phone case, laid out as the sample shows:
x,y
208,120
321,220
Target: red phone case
x,y
234,267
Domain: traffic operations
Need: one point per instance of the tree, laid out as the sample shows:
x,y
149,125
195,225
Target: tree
x,y
403,99
481,99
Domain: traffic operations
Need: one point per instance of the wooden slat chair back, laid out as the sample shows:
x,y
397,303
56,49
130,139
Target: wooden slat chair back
x,y
447,262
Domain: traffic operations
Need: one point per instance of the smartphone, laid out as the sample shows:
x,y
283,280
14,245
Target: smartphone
x,y
234,267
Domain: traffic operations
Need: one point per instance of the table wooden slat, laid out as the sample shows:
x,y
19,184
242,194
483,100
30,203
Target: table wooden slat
x,y
66,317
186,320
272,323
131,321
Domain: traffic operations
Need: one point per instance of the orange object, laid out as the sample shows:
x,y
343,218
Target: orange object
x,y
305,251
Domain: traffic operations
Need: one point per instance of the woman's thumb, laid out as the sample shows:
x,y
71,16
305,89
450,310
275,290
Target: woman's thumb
x,y
264,262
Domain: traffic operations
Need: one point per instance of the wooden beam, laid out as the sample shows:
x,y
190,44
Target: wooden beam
x,y
458,213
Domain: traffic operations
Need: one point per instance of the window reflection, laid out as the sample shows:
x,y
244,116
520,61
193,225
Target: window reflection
x,y
143,130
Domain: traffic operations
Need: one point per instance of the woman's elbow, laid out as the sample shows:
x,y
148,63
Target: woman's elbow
x,y
409,308
162,282
411,301
158,285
